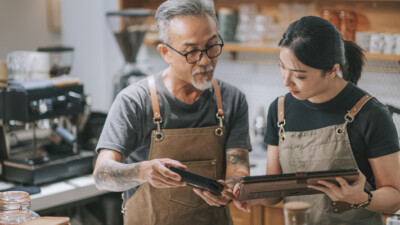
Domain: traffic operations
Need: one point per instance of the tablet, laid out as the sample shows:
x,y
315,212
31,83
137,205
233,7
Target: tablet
x,y
290,184
198,181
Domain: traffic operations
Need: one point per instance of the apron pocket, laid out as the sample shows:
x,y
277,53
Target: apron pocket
x,y
186,195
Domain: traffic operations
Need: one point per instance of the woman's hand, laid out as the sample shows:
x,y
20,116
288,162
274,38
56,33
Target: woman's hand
x,y
353,194
242,205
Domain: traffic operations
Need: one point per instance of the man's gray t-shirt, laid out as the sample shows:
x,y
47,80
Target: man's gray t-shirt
x,y
129,123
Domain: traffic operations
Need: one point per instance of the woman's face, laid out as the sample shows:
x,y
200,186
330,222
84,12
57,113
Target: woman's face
x,y
304,82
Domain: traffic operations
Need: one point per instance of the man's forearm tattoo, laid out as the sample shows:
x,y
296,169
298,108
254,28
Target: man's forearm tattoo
x,y
115,176
233,180
238,162
237,157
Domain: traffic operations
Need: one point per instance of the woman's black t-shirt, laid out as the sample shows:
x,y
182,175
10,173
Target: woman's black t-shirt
x,y
372,133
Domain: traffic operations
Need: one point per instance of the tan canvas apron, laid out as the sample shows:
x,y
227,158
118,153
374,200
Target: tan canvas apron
x,y
326,148
202,151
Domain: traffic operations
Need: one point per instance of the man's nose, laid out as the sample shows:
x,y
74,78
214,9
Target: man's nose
x,y
204,60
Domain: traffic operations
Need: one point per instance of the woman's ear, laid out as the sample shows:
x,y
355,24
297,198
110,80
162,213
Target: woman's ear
x,y
164,52
334,71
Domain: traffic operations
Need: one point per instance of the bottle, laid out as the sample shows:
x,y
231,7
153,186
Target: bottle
x,y
15,208
296,213
348,25
332,16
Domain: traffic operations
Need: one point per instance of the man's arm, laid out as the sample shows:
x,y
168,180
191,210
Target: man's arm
x,y
237,165
110,174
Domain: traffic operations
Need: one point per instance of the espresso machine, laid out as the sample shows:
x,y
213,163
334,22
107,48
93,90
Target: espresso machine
x,y
129,27
39,123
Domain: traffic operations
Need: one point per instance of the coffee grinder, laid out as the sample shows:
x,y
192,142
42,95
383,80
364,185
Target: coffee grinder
x,y
129,27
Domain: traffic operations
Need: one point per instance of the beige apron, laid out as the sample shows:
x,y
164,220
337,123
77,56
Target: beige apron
x,y
202,151
326,148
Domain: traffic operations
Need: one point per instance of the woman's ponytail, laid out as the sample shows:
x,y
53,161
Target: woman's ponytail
x,y
354,62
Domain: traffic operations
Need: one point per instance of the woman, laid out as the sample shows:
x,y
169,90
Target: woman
x,y
325,122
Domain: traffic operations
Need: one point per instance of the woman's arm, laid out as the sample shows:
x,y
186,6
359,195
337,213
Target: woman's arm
x,y
386,171
273,167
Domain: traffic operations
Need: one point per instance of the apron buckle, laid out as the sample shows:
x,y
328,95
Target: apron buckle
x,y
219,131
281,126
159,135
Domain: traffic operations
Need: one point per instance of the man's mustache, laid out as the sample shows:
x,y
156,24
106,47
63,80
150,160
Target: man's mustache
x,y
203,70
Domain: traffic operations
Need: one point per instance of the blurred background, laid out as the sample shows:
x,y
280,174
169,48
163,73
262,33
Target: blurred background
x,y
81,35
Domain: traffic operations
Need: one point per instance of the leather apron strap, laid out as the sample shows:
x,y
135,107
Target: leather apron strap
x,y
281,118
157,119
154,100
156,106
353,112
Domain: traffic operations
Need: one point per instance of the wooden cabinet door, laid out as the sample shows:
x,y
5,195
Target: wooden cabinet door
x,y
242,218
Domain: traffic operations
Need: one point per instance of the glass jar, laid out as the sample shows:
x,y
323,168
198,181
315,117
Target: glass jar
x,y
8,218
15,207
296,213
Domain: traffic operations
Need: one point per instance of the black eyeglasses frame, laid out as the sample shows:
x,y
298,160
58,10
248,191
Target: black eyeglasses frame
x,y
201,51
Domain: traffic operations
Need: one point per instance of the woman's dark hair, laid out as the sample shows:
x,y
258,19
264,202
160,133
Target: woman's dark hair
x,y
318,44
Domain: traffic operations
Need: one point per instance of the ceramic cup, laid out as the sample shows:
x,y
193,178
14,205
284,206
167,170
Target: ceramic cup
x,y
389,44
376,43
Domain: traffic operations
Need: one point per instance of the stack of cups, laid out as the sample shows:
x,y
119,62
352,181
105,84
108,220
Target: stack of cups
x,y
389,45
376,43
397,49
385,43
363,39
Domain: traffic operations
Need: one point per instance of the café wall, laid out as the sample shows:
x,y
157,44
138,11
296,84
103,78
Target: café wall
x,y
23,26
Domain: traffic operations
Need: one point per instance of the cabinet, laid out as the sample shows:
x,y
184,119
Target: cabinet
x,y
242,218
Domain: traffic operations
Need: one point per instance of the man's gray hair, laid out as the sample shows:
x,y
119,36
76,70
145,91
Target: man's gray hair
x,y
171,8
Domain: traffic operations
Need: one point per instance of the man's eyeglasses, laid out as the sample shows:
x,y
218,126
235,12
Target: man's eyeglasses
x,y
195,55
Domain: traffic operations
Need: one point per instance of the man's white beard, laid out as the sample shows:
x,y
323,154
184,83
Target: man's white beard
x,y
206,84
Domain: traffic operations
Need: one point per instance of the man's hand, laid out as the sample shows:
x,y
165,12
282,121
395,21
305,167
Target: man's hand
x,y
157,173
214,200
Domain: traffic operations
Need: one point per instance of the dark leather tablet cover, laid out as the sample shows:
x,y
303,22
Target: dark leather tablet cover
x,y
199,181
290,184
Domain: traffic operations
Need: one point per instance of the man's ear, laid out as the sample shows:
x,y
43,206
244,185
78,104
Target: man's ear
x,y
335,70
164,52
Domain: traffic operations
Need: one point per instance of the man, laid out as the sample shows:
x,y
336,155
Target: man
x,y
180,117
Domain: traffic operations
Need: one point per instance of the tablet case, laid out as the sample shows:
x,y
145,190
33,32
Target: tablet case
x,y
290,184
198,181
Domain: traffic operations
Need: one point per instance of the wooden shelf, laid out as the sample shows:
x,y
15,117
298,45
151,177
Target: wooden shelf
x,y
237,47
382,57
253,48
269,49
